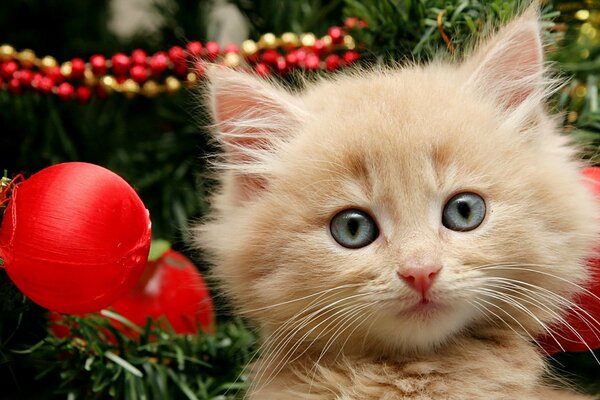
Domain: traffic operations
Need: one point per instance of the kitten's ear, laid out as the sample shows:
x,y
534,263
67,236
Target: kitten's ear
x,y
251,117
511,64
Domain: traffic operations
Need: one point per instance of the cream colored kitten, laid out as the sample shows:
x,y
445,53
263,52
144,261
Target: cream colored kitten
x,y
401,233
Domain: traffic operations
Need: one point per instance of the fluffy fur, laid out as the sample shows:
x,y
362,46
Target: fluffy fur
x,y
338,323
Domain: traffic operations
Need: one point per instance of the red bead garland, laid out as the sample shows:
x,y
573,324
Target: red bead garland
x,y
162,71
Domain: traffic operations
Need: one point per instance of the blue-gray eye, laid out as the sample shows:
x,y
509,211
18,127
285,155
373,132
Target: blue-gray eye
x,y
464,212
353,228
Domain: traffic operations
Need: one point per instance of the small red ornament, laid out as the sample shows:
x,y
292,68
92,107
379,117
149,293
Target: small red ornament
x,y
8,69
585,320
350,57
84,94
44,84
138,73
120,64
270,57
312,61
65,91
98,63
337,34
332,62
232,48
74,237
159,63
14,86
212,50
194,49
77,68
171,287
25,76
139,57
262,69
54,74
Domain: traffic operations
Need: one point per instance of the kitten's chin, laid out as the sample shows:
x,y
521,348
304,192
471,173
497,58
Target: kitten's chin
x,y
423,326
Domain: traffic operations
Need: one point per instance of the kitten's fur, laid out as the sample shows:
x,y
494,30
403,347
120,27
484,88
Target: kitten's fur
x,y
339,323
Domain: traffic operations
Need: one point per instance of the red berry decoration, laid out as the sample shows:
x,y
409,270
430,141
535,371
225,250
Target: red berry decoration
x,y
332,62
54,74
581,319
139,57
173,288
8,69
75,237
14,86
159,63
25,76
337,34
212,50
312,61
77,68
98,63
65,91
120,64
232,48
44,84
262,69
83,94
350,57
138,73
194,49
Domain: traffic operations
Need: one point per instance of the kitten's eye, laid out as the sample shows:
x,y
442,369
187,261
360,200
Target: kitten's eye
x,y
463,212
353,228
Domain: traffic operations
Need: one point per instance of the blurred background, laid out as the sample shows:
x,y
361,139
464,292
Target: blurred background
x,y
160,146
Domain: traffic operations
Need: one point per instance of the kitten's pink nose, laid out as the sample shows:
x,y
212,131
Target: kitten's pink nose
x,y
419,278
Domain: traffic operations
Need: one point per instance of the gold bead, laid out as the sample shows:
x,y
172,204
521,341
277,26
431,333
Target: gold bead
x,y
349,42
172,84
48,62
308,39
27,58
191,79
268,41
150,89
327,40
231,60
130,88
88,77
109,83
6,52
66,68
290,39
249,47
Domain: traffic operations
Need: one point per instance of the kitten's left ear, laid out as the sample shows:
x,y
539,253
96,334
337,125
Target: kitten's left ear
x,y
510,65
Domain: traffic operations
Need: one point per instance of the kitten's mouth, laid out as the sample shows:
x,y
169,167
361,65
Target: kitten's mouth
x,y
424,307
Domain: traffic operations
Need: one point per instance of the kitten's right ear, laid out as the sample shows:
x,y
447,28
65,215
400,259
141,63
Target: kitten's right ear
x,y
251,117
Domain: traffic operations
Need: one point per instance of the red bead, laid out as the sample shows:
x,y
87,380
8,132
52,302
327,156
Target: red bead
x,y
212,50
319,46
337,34
291,59
300,56
159,63
65,91
350,57
312,61
77,68
120,64
14,86
139,57
262,69
138,73
194,49
25,76
282,66
270,57
177,55
98,63
232,48
332,62
45,84
83,94
8,69
54,74
199,68
351,22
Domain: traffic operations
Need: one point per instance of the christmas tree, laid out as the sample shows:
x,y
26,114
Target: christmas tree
x,y
150,128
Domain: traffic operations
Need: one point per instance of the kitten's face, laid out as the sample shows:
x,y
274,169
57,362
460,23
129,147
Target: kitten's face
x,y
360,198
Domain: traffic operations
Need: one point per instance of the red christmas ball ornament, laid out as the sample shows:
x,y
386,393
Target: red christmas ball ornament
x,y
44,84
138,73
337,34
170,287
74,237
8,69
232,48
25,76
312,61
212,50
83,94
14,86
585,318
159,63
77,68
262,69
194,49
65,91
120,64
98,63
350,57
332,62
139,57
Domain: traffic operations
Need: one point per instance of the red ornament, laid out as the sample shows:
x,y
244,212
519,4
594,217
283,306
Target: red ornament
x,y
159,63
8,69
44,84
171,287
270,57
319,47
581,319
262,69
138,73
98,63
14,86
232,48
120,64
332,62
75,237
54,74
194,49
139,57
25,76
77,68
350,57
337,34
212,50
65,91
312,61
84,94
177,55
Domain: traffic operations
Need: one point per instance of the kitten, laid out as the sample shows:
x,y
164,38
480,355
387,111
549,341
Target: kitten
x,y
401,233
